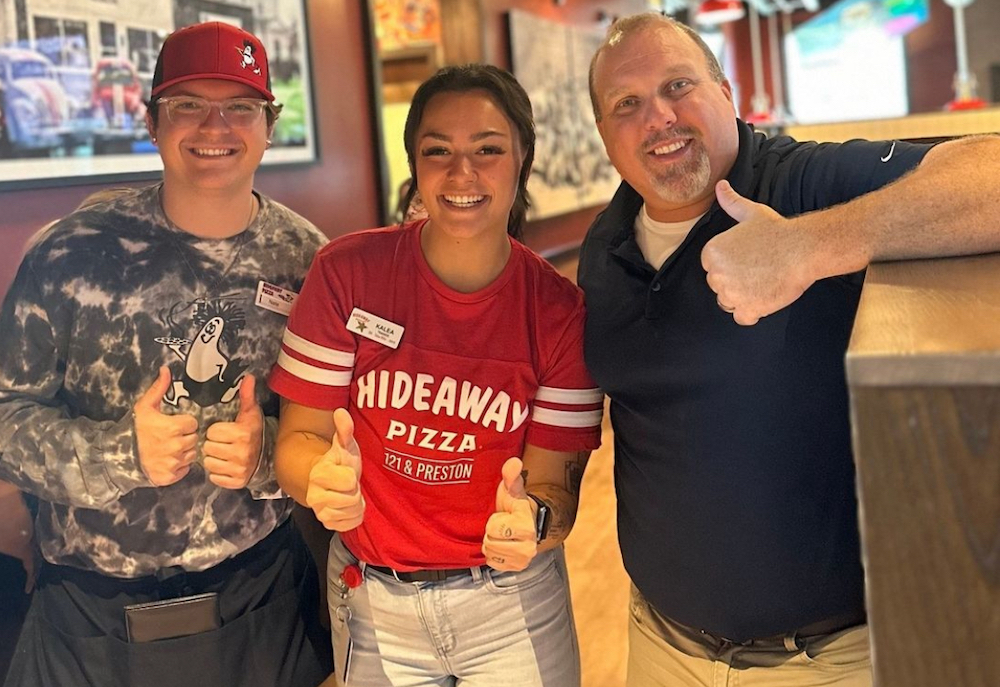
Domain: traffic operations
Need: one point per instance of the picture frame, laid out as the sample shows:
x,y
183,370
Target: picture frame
x,y
551,60
75,80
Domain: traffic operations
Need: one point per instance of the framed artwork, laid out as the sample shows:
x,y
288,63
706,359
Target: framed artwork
x,y
75,78
551,60
402,23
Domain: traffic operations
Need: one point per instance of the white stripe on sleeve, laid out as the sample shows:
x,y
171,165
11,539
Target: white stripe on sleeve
x,y
317,352
311,373
553,394
564,418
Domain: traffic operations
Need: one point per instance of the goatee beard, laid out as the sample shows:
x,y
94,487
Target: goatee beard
x,y
685,181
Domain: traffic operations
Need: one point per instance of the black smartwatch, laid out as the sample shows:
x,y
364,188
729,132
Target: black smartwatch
x,y
541,518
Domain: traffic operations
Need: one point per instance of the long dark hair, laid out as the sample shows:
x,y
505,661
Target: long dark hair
x,y
507,94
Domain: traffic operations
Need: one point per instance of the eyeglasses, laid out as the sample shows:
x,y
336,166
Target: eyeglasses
x,y
191,110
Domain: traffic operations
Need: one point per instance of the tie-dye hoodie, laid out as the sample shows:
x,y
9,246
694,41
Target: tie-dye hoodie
x,y
101,300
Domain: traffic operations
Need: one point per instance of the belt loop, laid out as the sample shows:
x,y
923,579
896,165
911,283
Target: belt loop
x,y
173,581
170,573
792,642
478,573
395,574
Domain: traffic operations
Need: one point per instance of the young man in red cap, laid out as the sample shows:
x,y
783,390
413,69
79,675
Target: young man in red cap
x,y
133,338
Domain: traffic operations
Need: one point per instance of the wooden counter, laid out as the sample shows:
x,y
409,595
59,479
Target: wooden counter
x,y
931,125
923,369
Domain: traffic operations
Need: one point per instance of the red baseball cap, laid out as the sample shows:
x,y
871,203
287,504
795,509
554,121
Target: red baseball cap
x,y
212,50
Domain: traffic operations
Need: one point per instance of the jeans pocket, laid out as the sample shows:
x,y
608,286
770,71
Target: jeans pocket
x,y
542,568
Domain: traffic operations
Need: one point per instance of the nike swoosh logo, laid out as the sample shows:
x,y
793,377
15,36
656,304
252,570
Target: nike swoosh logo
x,y
891,151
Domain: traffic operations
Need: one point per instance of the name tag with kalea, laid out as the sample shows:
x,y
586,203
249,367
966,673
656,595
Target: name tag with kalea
x,y
375,328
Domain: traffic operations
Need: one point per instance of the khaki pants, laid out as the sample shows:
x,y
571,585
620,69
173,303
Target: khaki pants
x,y
663,653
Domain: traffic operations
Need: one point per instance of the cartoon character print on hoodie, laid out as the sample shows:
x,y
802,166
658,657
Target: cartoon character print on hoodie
x,y
209,375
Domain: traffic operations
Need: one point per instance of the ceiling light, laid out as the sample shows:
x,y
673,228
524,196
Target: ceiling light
x,y
713,12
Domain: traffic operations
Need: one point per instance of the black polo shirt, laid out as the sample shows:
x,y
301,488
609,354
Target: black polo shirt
x,y
736,501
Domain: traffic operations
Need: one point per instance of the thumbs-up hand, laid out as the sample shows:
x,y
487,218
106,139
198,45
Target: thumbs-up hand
x,y
334,491
758,266
166,443
509,542
232,450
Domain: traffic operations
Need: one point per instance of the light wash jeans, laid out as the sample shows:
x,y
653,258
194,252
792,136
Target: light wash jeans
x,y
485,629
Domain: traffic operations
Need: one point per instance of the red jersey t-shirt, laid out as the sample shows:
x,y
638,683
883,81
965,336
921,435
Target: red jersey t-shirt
x,y
443,386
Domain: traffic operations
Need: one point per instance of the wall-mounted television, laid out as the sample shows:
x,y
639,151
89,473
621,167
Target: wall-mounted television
x,y
893,17
849,61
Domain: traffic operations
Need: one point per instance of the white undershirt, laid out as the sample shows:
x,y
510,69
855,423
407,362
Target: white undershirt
x,y
657,240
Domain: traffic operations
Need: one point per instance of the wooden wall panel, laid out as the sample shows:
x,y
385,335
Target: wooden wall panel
x,y
929,482
462,30
931,62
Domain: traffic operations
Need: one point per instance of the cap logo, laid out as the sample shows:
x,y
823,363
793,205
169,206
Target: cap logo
x,y
247,60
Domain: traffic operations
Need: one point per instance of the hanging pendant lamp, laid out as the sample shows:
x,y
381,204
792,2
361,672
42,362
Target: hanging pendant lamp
x,y
714,12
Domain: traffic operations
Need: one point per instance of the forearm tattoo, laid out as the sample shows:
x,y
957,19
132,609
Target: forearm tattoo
x,y
574,476
563,499
310,436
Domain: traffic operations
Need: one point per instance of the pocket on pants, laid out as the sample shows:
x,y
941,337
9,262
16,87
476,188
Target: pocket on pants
x,y
839,651
541,569
206,658
343,621
338,558
642,615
